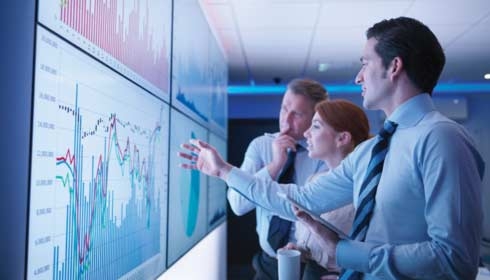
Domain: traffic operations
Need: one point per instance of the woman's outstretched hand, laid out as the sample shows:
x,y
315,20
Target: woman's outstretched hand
x,y
205,158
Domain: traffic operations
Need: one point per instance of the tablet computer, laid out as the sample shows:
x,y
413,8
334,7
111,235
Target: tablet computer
x,y
316,217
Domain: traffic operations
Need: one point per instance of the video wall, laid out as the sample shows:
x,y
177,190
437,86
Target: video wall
x,y
118,86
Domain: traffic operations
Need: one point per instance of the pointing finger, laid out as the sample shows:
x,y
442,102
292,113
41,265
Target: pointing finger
x,y
188,166
187,156
190,147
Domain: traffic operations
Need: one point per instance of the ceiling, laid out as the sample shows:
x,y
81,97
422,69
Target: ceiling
x,y
268,39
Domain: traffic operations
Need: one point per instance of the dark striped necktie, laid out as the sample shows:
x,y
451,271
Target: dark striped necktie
x,y
278,234
368,189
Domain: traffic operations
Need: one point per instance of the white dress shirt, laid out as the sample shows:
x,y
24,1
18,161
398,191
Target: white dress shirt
x,y
258,155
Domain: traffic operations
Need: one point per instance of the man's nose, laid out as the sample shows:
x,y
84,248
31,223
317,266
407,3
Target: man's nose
x,y
359,78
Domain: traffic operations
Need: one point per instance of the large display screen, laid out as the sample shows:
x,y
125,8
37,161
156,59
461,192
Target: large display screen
x,y
99,169
108,199
190,85
132,37
218,78
187,191
217,188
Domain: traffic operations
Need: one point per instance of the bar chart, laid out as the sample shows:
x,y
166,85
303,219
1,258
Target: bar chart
x,y
132,37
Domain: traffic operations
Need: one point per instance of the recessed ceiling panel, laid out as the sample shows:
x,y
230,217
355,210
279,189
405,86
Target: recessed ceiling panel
x,y
265,15
449,12
360,14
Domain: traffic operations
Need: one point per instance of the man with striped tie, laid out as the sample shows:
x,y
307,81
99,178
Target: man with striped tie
x,y
416,186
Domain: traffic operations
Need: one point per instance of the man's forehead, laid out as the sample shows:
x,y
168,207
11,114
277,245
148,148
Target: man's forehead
x,y
294,99
369,46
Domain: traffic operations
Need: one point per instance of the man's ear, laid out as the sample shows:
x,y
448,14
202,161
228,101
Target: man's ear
x,y
396,67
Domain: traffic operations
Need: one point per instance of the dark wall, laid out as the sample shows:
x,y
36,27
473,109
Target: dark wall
x,y
242,237
17,29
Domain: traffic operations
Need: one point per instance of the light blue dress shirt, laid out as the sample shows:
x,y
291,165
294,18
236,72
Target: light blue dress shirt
x,y
427,221
258,155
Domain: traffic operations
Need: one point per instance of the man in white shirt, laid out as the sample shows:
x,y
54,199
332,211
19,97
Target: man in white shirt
x,y
295,116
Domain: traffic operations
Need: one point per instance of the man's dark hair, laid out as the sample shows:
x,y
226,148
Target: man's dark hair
x,y
312,89
416,45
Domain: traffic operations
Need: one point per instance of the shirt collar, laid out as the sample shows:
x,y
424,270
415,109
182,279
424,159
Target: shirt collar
x,y
302,143
412,111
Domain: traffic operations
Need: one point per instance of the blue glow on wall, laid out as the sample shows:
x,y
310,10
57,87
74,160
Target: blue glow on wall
x,y
443,87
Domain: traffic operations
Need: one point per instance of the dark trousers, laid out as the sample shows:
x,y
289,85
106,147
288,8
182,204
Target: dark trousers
x,y
314,271
265,267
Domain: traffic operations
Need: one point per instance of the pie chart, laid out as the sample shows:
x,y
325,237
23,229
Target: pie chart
x,y
189,197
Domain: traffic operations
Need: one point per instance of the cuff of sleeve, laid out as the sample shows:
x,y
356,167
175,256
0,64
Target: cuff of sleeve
x,y
353,255
322,259
239,180
263,173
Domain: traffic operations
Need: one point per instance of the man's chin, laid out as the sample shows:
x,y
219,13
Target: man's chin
x,y
298,137
366,104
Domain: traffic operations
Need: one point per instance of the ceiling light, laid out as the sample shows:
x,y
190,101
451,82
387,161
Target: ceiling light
x,y
322,67
486,76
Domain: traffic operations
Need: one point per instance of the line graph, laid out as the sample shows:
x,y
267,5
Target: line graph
x,y
99,182
100,203
133,37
